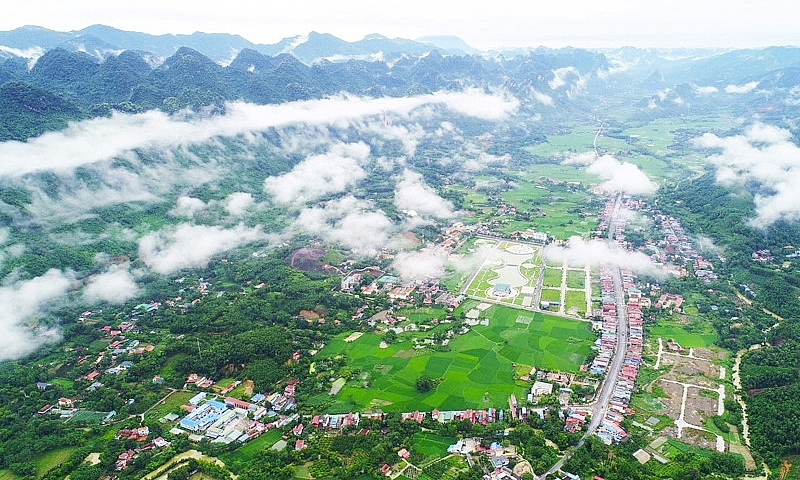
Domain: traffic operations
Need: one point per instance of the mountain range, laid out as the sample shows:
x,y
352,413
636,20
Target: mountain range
x,y
48,78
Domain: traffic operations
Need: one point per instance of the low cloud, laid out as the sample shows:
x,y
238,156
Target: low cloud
x,y
117,285
762,158
22,301
542,98
412,195
101,139
237,203
188,206
421,264
190,246
580,252
619,176
746,88
347,221
705,244
319,175
705,90
560,75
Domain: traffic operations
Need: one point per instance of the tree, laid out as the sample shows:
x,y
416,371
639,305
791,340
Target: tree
x,y
425,384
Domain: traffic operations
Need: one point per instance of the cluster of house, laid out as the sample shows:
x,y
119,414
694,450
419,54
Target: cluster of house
x,y
670,301
762,256
607,341
231,419
610,429
140,435
676,249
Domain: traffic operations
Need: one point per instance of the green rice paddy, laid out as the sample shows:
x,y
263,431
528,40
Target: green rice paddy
x,y
477,372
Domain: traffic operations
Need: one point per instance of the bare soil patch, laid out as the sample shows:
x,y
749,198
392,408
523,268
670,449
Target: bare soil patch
x,y
698,408
700,438
673,401
308,259
248,387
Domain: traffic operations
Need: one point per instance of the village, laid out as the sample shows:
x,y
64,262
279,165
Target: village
x,y
213,415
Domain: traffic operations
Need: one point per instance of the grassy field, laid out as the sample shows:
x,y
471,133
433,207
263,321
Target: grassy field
x,y
171,404
431,446
576,278
246,452
553,211
553,277
87,417
551,295
7,475
694,334
52,459
576,299
476,372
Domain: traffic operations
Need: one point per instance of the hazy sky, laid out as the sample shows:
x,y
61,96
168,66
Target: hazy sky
x,y
483,24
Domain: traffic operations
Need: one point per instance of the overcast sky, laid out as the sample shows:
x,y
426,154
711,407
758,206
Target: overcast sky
x,y
483,24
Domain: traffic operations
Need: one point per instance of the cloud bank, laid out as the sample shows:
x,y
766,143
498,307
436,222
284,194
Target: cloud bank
x,y
21,301
412,194
420,264
188,245
355,224
764,156
320,175
101,139
117,285
600,252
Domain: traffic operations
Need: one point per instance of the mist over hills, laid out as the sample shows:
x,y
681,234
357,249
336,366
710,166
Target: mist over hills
x,y
100,69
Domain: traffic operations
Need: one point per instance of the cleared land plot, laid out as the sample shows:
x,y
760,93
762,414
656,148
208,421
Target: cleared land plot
x,y
248,451
576,278
576,302
171,404
477,367
553,277
513,265
694,334
551,295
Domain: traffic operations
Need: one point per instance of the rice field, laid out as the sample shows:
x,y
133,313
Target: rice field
x,y
478,371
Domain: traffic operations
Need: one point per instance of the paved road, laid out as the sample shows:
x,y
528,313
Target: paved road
x,y
607,388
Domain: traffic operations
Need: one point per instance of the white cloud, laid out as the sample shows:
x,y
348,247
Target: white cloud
x,y
582,252
763,155
23,300
619,176
187,245
746,88
705,90
237,203
542,98
319,175
117,285
421,264
560,75
101,139
188,206
412,194
352,223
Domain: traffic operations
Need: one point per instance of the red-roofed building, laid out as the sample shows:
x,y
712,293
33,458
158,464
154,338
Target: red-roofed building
x,y
404,454
236,403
